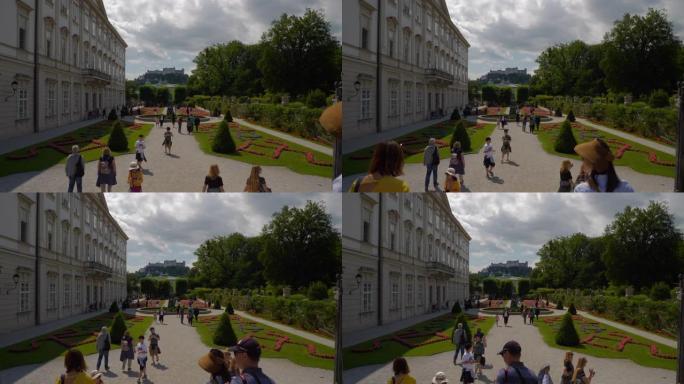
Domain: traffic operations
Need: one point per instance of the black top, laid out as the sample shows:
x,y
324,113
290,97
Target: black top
x,y
213,183
566,176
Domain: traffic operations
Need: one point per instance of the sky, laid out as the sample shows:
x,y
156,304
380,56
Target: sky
x,y
514,226
170,33
512,33
172,226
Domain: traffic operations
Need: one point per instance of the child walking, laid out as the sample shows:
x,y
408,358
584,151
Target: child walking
x,y
135,180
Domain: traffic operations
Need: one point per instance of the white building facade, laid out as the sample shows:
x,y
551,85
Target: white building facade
x,y
403,255
403,62
80,67
60,255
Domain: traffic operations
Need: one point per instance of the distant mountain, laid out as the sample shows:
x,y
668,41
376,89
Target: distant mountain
x,y
506,76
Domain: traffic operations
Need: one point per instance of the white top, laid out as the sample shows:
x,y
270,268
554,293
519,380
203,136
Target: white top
x,y
489,151
546,379
602,181
140,146
468,356
141,350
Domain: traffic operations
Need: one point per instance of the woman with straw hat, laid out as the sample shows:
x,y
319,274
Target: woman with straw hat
x,y
216,363
597,160
451,184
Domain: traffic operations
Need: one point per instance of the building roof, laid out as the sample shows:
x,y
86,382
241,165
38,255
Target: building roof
x,y
99,7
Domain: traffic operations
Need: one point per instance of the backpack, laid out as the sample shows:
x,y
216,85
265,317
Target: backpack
x,y
435,157
80,169
104,167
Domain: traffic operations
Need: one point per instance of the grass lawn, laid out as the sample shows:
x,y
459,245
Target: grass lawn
x,y
267,316
266,124
430,333
294,350
414,144
46,155
669,141
636,158
606,341
263,148
82,333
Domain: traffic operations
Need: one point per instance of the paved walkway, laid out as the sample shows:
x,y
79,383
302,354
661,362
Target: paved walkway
x,y
183,171
359,336
297,140
181,348
535,353
285,328
353,145
640,140
636,331
531,169
9,145
29,333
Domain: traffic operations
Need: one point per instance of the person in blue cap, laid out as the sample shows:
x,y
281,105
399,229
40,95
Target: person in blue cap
x,y
515,372
247,353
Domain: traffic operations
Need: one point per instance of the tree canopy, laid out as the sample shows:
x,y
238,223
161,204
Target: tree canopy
x,y
230,261
227,70
570,69
571,262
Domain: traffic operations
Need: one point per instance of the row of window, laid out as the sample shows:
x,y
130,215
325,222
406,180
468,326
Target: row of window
x,y
69,298
413,298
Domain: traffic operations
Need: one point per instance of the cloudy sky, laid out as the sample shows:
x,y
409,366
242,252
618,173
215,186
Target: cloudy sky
x,y
172,226
514,226
168,33
510,33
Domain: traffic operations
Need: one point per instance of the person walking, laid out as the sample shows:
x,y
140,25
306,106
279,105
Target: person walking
x,y
386,166
155,351
75,365
505,317
597,161
524,122
135,179
457,161
180,124
106,171
537,122
140,150
440,378
524,315
191,121
489,162
497,320
75,169
515,372
161,315
431,162
401,372
568,369
173,119
197,123
247,353
544,377
478,353
531,316
468,364
190,317
182,315
213,183
103,344
506,147
565,176
161,125
451,183
141,357
255,183
459,339
532,121
127,350
580,377
168,142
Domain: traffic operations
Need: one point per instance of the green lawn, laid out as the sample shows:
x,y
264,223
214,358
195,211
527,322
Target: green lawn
x,y
414,143
267,316
47,156
84,332
638,161
264,143
639,354
357,356
296,353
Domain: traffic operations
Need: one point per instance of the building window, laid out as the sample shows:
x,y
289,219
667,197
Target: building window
x,y
76,254
22,100
419,98
51,98
23,30
48,40
419,245
23,222
63,47
78,285
366,225
24,292
409,291
407,45
421,293
390,41
65,238
407,241
365,100
408,92
367,297
66,101
52,292
394,99
67,291
394,293
392,234
50,233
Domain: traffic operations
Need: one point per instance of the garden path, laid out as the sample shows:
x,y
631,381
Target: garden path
x,y
183,171
531,169
297,140
181,348
535,353
640,140
282,327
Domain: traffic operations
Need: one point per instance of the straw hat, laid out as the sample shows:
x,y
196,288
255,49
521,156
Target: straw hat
x,y
211,362
133,166
331,119
95,374
597,153
451,172
440,378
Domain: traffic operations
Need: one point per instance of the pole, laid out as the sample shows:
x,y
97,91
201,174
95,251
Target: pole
x,y
36,89
679,183
380,280
38,272
680,346
339,364
378,71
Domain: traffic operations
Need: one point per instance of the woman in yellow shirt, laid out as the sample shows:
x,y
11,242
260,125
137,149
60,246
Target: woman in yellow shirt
x,y
401,373
76,370
386,165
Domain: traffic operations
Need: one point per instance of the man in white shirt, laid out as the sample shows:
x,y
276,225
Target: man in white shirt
x,y
489,162
468,363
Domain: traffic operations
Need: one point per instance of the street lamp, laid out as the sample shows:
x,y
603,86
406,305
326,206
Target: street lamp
x,y
358,279
680,347
15,86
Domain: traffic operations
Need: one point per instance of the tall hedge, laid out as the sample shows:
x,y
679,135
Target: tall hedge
x,y
455,115
229,309
114,308
228,116
117,139
118,328
224,334
566,142
456,309
461,134
567,334
223,141
572,309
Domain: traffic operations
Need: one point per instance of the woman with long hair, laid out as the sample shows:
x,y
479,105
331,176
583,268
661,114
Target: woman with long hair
x,y
401,372
597,160
387,164
565,176
255,183
580,376
568,368
76,370
213,182
106,171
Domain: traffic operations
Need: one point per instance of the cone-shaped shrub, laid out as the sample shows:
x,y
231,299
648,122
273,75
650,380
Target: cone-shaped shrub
x,y
112,115
455,115
229,309
224,334
228,116
223,141
571,116
461,134
117,139
559,305
217,305
463,319
559,113
118,328
565,142
567,334
456,309
114,308
572,309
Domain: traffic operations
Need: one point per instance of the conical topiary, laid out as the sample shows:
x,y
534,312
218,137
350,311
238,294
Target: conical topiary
x,y
463,319
461,134
229,309
572,309
224,334
228,116
571,116
559,305
565,142
217,305
456,309
118,328
223,141
114,308
567,334
455,115
117,139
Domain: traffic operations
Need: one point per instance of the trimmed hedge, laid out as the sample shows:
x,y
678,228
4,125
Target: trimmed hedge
x,y
456,309
117,139
223,141
114,308
567,333
224,334
565,142
461,134
572,309
229,309
118,328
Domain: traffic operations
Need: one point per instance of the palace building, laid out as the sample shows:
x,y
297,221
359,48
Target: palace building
x,y
403,62
60,255
61,62
403,256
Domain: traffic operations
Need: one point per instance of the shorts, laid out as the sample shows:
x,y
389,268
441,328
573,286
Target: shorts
x,y
140,157
489,162
142,362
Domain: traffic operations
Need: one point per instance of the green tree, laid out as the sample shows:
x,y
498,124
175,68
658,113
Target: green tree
x,y
131,91
132,284
227,70
179,95
224,334
181,287
504,96
461,135
523,94
229,261
456,309
148,94
316,99
638,42
163,96
567,335
148,287
475,282
114,308
659,99
643,247
117,139
489,94
660,291
571,262
565,142
164,288
572,309
505,288
223,140
523,287
300,54
318,290
570,69
229,308
118,328
490,287
303,242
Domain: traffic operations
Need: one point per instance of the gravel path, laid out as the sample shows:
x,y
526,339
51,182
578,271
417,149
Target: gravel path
x,y
297,332
531,169
183,171
535,353
640,140
181,348
297,140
